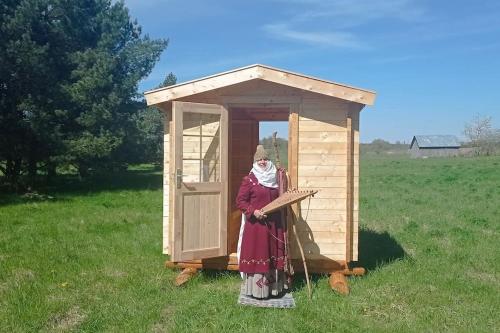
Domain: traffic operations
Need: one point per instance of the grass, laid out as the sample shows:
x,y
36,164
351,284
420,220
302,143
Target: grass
x,y
86,256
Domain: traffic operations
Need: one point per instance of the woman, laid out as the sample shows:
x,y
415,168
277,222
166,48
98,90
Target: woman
x,y
262,255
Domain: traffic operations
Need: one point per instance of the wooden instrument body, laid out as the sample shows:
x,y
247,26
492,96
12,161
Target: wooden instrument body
x,y
286,199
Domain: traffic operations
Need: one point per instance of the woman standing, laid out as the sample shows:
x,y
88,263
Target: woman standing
x,y
262,255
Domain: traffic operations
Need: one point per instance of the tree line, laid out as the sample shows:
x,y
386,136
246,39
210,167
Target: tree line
x,y
282,144
69,74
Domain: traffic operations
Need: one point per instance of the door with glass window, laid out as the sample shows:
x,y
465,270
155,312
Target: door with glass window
x,y
200,142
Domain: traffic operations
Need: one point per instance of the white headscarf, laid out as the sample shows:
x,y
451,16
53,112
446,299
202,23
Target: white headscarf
x,y
266,176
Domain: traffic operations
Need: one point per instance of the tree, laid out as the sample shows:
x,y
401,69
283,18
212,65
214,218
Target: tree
x,y
267,142
68,83
104,90
170,80
149,138
149,124
24,68
479,128
481,134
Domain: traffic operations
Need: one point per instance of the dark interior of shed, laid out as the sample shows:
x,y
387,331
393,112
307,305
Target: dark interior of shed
x,y
243,138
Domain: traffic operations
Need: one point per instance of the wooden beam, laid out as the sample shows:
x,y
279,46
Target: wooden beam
x,y
231,264
319,266
252,100
317,86
349,189
338,282
170,175
356,271
185,276
201,85
195,265
225,178
293,146
220,263
259,113
229,177
174,163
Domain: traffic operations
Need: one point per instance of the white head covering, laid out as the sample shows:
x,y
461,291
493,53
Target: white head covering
x,y
267,176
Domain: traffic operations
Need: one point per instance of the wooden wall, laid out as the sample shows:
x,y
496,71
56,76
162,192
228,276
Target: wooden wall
x,y
323,165
323,160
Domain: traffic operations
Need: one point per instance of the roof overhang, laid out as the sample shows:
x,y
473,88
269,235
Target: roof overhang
x,y
265,73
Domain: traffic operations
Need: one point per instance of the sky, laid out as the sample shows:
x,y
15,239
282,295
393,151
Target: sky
x,y
433,64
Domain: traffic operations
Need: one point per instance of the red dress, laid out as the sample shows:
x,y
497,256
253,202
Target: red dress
x,y
263,243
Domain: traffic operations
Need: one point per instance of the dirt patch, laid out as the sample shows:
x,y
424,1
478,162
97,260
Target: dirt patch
x,y
165,322
24,274
484,277
114,273
16,279
69,320
21,275
3,287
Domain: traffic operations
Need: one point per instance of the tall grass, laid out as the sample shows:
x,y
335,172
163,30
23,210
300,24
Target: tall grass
x,y
86,256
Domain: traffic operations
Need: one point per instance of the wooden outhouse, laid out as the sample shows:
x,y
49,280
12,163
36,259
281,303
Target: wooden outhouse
x,y
211,131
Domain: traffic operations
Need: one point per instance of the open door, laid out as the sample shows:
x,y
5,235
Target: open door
x,y
200,160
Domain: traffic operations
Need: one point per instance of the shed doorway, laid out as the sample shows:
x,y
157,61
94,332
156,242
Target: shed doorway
x,y
250,126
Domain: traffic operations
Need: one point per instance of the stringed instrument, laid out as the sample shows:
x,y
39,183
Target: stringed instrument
x,y
287,198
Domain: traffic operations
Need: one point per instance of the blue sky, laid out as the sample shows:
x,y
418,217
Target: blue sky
x,y
433,64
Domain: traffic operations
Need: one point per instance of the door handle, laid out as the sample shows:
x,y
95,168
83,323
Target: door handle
x,y
178,178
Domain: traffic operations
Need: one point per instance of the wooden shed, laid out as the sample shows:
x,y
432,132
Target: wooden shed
x,y
423,146
211,131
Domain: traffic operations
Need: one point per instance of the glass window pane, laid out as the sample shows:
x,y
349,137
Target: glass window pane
x,y
201,147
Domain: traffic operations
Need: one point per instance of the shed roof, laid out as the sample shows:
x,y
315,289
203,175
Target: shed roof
x,y
262,72
436,141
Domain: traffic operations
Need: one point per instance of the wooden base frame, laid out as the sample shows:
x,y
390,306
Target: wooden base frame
x,y
231,264
185,276
338,282
338,270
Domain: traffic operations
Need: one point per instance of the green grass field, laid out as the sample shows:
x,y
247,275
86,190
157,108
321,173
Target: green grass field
x,y
86,257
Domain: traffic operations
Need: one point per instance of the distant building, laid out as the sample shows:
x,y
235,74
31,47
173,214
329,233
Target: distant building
x,y
434,145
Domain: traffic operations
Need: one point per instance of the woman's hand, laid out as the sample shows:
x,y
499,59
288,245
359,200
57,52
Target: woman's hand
x,y
259,214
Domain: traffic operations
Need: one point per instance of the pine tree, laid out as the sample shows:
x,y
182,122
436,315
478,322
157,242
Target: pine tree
x,y
69,71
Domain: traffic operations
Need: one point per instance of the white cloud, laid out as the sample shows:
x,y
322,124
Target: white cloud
x,y
338,19
322,38
353,13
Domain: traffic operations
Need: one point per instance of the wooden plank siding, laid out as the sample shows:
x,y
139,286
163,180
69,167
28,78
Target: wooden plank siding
x,y
323,165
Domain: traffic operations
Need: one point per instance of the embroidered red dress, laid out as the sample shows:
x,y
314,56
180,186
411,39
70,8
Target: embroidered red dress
x,y
262,246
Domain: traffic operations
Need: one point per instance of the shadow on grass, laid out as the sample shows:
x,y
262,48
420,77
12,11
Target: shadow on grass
x,y
64,186
377,249
300,283
213,274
